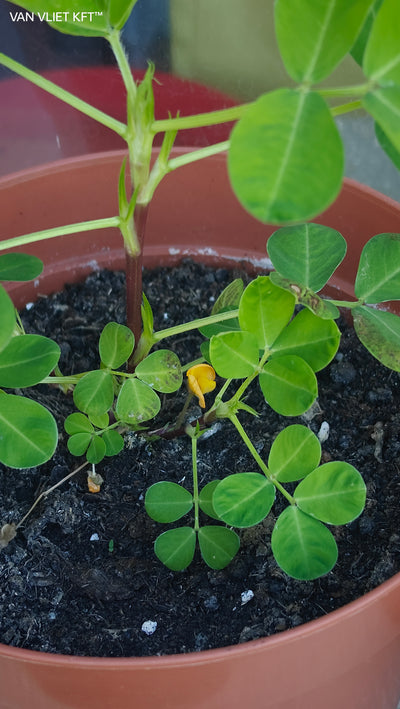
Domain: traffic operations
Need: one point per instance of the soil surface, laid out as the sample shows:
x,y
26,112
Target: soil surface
x,y
81,576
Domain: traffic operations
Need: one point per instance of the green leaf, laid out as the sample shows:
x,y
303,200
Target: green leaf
x,y
314,37
77,423
234,354
382,54
161,370
379,331
311,338
324,309
384,107
137,402
147,318
26,360
218,545
96,451
167,502
265,310
283,136
308,254
113,441
229,299
243,499
119,11
387,146
115,345
7,318
378,275
358,49
19,267
289,385
302,546
333,493
78,443
28,432
175,548
94,393
295,453
100,421
206,499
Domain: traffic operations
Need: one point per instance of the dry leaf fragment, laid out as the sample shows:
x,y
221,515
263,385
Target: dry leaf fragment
x,y
7,533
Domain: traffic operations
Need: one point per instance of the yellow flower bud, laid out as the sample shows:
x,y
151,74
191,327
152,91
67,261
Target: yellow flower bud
x,y
201,380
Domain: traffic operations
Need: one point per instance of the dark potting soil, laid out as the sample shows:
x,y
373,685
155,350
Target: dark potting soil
x,y
81,576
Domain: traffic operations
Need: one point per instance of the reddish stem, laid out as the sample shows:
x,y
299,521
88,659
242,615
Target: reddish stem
x,y
134,276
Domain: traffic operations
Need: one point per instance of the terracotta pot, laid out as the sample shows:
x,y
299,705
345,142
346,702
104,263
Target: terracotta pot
x,y
349,658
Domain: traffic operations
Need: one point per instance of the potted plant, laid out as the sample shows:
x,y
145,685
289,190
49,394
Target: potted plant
x,y
252,333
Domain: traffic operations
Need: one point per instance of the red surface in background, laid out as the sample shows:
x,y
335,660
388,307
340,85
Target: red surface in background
x,y
36,127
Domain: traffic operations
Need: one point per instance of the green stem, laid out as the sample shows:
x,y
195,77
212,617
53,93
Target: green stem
x,y
60,231
358,90
194,325
258,458
123,64
200,154
65,96
346,303
195,484
346,108
211,118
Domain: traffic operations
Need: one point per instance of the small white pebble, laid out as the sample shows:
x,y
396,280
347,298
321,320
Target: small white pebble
x,y
246,596
28,306
323,433
149,627
165,316
95,537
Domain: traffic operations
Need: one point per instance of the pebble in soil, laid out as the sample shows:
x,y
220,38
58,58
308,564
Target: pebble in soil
x,y
81,576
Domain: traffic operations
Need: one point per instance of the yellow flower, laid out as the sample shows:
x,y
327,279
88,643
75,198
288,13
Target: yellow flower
x,y
201,380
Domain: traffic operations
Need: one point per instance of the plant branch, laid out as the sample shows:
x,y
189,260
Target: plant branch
x,y
346,108
206,152
194,325
65,96
211,118
79,227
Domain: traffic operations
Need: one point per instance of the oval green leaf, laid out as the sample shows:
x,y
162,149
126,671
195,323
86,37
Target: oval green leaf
x,y
333,493
307,254
7,318
314,37
77,423
289,385
243,499
26,360
313,339
78,443
96,451
167,502
175,548
137,402
218,545
384,106
161,370
387,146
206,499
382,54
283,136
113,441
378,275
19,267
234,354
295,452
94,393
29,433
265,310
379,331
302,546
115,345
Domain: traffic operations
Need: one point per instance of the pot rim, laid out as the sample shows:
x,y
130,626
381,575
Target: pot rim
x,y
110,155
252,647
